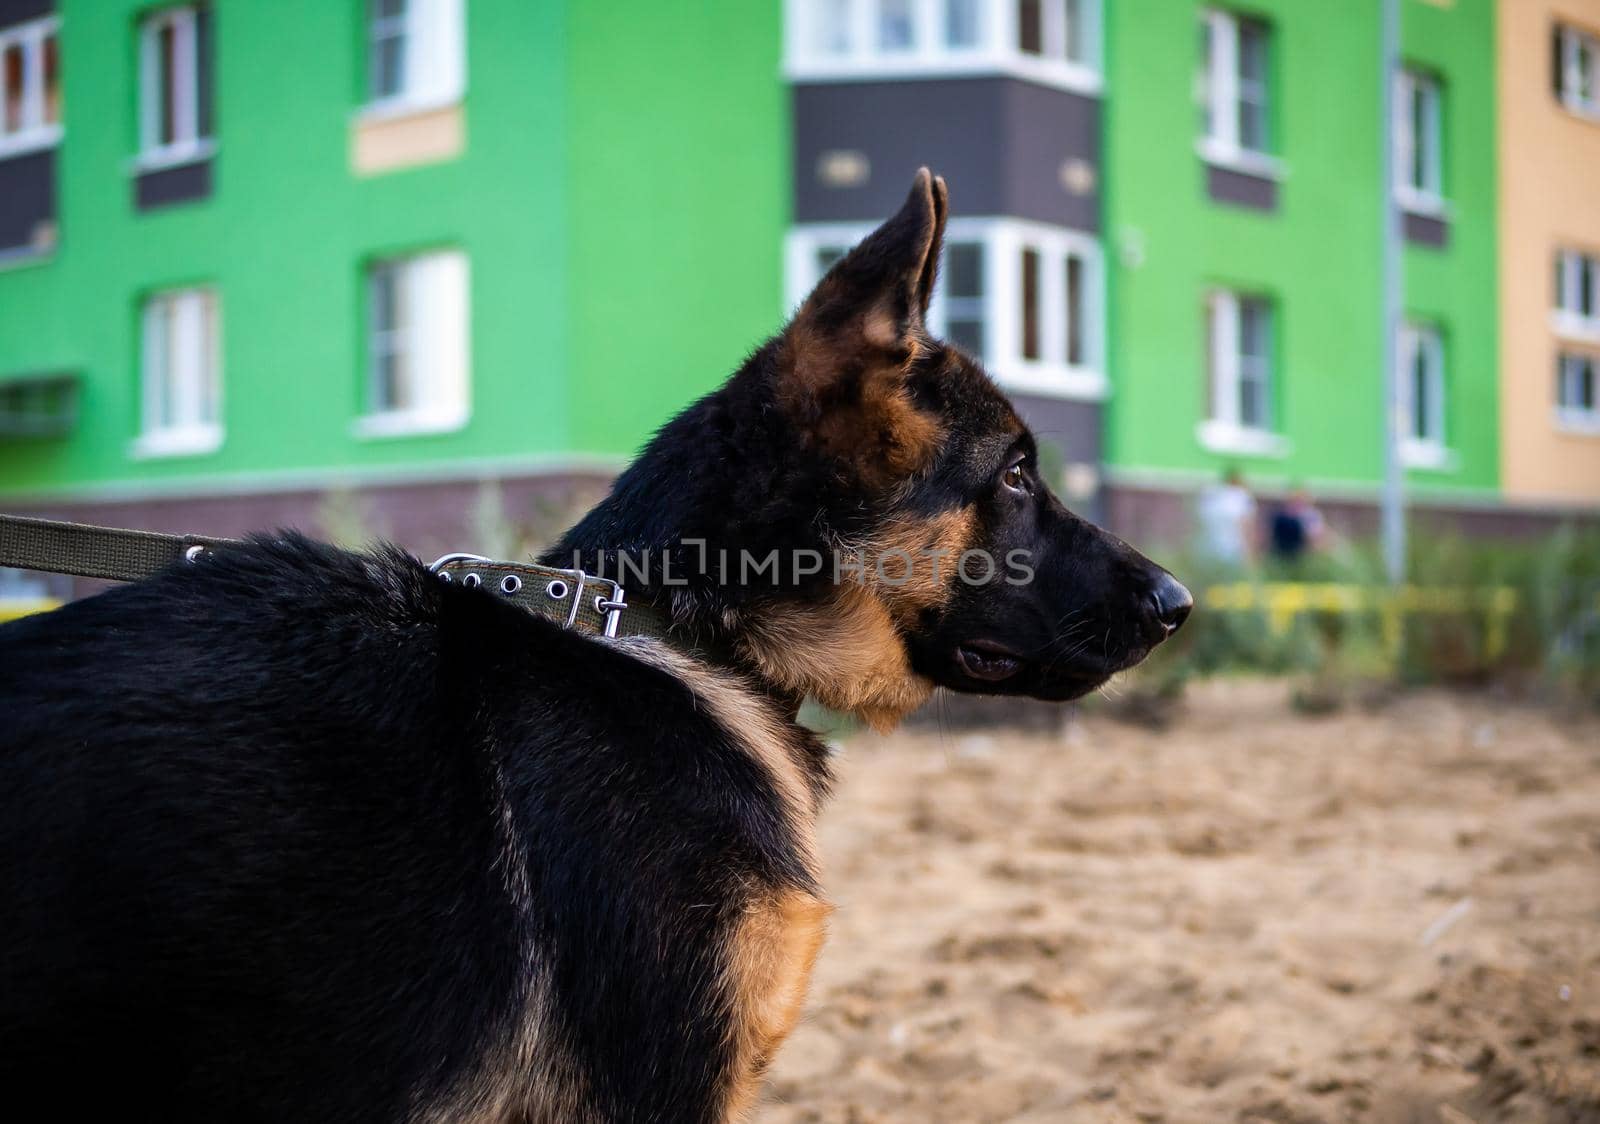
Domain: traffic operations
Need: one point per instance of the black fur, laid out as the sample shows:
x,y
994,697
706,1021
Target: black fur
x,y
252,861
295,834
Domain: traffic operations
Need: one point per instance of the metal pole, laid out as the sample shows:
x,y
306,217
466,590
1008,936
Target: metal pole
x,y
1391,296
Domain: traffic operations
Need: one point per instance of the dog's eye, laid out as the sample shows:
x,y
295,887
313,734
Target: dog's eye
x,y
1015,478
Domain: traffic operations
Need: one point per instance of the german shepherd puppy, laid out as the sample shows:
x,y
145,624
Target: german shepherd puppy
x,y
295,834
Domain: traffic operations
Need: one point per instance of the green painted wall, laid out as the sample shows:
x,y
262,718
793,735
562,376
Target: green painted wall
x,y
1317,254
680,194
610,281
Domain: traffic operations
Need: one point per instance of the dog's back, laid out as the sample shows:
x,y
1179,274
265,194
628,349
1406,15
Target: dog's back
x,y
292,833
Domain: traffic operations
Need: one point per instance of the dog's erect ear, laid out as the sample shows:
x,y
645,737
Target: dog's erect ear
x,y
860,331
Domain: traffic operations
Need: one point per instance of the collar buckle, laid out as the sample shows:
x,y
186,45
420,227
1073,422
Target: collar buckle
x,y
558,585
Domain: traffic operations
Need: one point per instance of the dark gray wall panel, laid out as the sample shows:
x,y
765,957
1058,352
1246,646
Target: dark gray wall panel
x,y
1241,189
1045,129
1425,230
27,197
182,184
1002,144
15,11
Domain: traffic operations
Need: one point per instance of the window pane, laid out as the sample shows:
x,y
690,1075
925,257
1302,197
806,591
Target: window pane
x,y
156,365
11,89
1421,402
166,80
1075,31
1030,304
387,336
1418,172
206,398
1252,52
894,25
1588,269
1074,310
1030,27
384,299
1253,329
963,269
388,9
388,66
961,23
831,31
827,256
1253,126
1253,400
52,81
1253,86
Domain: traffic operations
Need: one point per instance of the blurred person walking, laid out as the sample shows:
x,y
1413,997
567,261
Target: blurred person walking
x,y
1297,528
1227,516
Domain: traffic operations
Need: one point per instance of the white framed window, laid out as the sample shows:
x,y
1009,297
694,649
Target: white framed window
x,y
1577,295
418,345
30,86
1235,92
416,55
1577,400
1422,393
174,110
1240,348
1418,142
180,373
1055,42
1025,298
1577,71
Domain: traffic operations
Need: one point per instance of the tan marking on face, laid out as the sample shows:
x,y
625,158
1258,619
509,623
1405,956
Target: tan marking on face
x,y
912,562
844,651
769,960
753,722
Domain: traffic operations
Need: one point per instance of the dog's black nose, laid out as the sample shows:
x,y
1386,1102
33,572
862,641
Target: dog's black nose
x,y
1171,602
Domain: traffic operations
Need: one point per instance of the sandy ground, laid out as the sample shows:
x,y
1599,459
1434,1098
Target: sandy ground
x,y
1387,916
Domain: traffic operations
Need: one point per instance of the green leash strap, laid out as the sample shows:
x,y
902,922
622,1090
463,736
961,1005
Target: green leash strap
x,y
93,552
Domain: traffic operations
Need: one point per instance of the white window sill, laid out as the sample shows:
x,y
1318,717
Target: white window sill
x,y
407,424
1426,204
1052,381
1587,111
1428,455
1238,440
1573,326
34,140
1078,77
1243,160
399,108
1578,423
173,156
24,257
193,442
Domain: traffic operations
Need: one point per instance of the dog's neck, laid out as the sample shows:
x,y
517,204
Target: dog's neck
x,y
697,495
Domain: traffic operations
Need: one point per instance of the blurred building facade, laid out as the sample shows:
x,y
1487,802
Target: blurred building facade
x,y
253,252
1549,128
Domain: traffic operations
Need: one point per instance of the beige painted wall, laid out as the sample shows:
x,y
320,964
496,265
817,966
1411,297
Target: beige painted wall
x,y
1549,198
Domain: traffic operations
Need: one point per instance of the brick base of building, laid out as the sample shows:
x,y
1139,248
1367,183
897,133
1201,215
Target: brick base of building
x,y
1166,516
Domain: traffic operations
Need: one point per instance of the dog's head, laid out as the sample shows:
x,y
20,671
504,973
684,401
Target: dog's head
x,y
944,557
